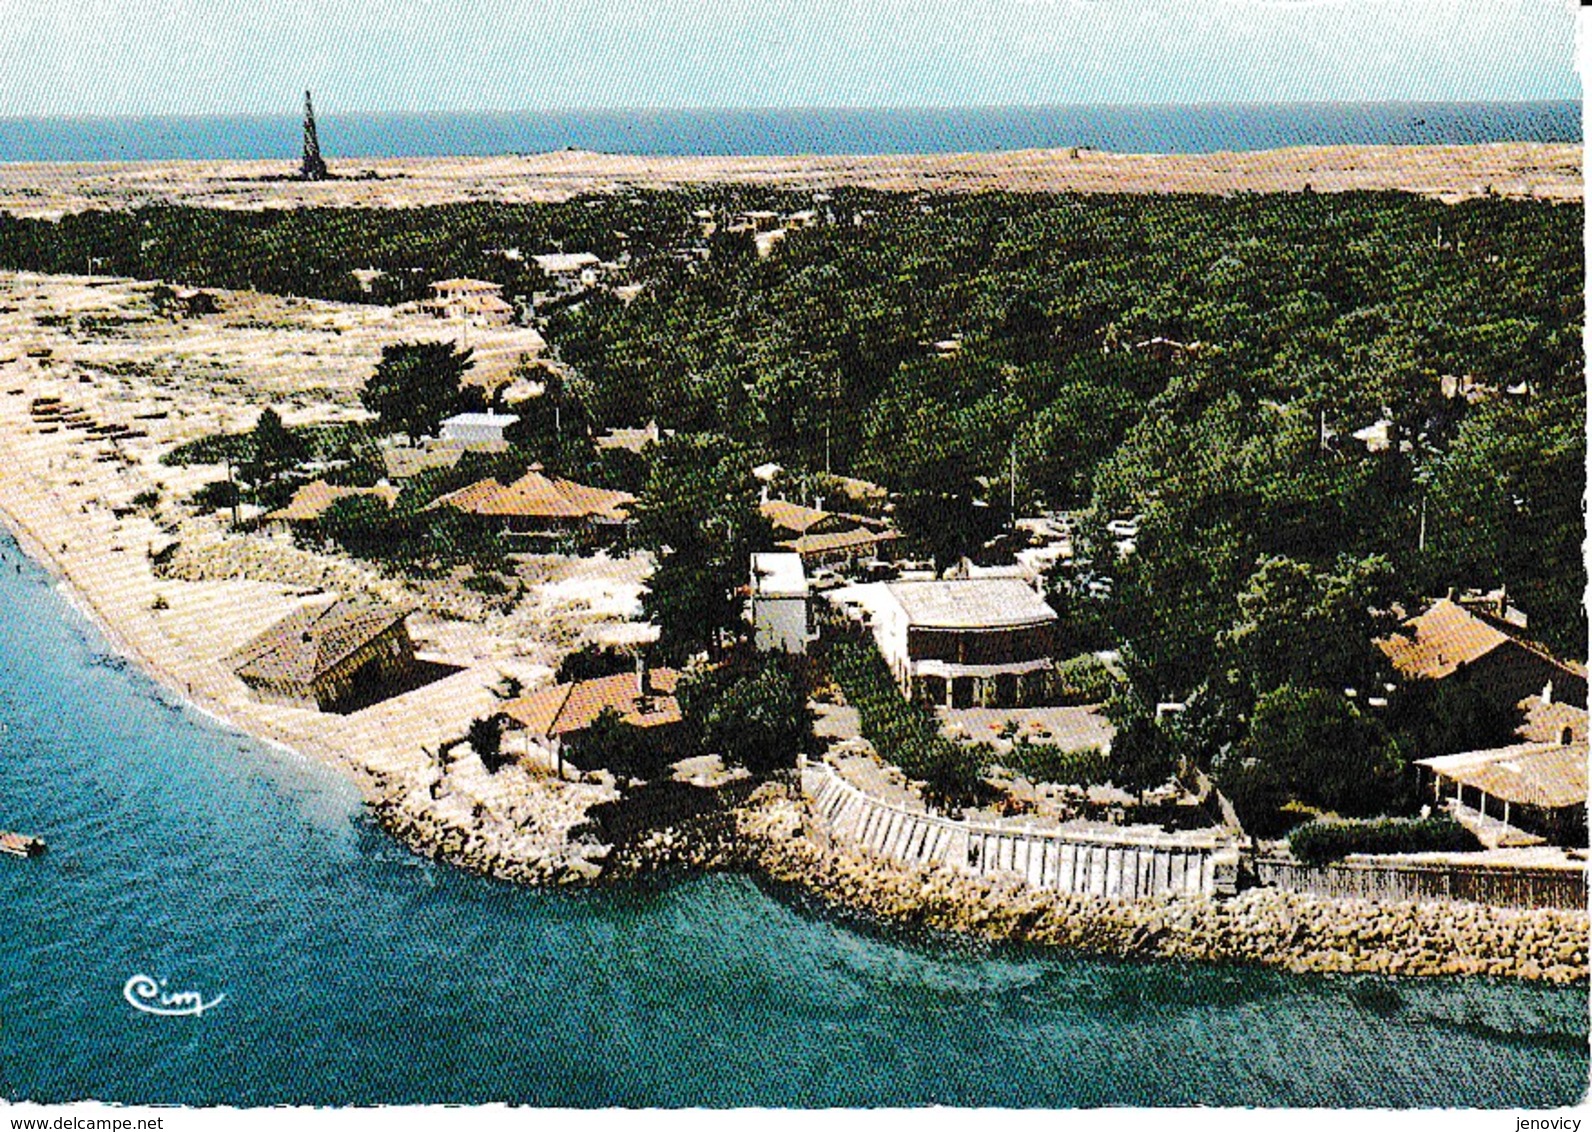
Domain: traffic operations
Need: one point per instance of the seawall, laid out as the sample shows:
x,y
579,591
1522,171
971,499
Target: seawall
x,y
1124,864
776,832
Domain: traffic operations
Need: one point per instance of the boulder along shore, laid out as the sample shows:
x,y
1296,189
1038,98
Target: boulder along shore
x,y
770,835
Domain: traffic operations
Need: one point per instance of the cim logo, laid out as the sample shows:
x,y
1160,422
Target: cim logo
x,y
151,996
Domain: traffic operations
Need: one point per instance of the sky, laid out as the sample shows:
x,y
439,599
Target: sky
x,y
132,57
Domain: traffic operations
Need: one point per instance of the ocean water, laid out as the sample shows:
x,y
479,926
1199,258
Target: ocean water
x,y
1122,129
354,972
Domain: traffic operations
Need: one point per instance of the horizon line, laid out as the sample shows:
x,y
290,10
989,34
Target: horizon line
x,y
321,113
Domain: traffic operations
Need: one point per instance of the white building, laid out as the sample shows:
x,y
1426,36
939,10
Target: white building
x,y
959,642
470,429
569,270
779,604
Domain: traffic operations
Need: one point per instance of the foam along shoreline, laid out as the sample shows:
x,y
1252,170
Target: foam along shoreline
x,y
1542,170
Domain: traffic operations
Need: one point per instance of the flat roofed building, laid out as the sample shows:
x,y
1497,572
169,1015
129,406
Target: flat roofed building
x,y
961,642
570,271
330,657
779,596
565,263
477,429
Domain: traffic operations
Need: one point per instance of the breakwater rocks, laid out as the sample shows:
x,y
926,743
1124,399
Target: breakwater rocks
x,y
513,825
1259,926
564,833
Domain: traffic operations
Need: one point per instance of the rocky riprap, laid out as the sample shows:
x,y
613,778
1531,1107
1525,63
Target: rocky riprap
x,y
514,826
1259,926
550,837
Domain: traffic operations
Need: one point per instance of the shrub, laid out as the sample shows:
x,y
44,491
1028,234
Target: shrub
x,y
1324,753
1084,679
1319,842
593,661
218,495
489,584
485,737
1037,763
903,732
759,719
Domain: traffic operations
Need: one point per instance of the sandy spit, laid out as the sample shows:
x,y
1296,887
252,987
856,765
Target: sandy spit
x,y
1451,172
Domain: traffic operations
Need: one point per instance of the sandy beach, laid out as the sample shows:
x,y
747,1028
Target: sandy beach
x,y
67,496
1517,169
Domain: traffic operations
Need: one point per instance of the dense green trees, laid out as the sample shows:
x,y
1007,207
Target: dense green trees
x,y
1315,747
1504,507
905,733
753,714
698,515
1310,627
1200,362
274,452
485,737
416,386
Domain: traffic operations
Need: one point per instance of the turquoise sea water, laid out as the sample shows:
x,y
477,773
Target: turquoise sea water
x,y
356,973
976,129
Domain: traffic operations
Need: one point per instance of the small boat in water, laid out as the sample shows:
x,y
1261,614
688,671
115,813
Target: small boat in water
x,y
20,844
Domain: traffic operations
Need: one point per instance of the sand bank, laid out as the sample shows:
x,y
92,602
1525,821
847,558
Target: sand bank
x,y
1452,172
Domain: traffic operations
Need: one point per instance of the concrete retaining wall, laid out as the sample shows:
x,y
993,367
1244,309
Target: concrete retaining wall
x,y
1125,865
1499,886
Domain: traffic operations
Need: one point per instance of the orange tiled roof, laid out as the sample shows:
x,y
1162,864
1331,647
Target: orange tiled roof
x,y
1434,644
1437,642
314,499
564,709
790,516
463,285
1545,722
838,540
538,496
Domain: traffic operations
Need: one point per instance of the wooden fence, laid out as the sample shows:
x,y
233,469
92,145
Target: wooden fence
x,y
1502,886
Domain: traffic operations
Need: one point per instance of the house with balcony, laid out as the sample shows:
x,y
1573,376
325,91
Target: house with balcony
x,y
959,642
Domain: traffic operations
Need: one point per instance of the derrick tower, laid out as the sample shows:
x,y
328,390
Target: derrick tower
x,y
312,168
